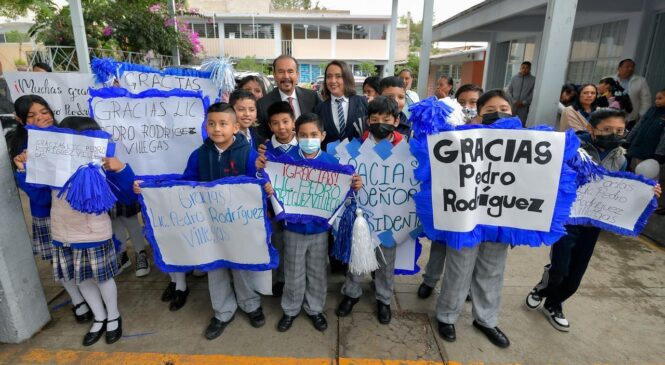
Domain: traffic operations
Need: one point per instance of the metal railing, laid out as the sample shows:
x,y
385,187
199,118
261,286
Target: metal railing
x,y
286,47
63,58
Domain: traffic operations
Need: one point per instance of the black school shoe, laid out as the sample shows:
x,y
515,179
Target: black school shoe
x,y
383,312
179,299
285,323
82,318
319,321
216,327
495,335
447,331
424,291
346,306
114,336
257,318
168,293
91,338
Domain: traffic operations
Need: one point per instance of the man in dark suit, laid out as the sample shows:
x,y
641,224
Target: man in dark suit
x,y
285,71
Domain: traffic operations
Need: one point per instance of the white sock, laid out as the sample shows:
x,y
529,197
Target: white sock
x,y
75,295
110,295
180,281
93,297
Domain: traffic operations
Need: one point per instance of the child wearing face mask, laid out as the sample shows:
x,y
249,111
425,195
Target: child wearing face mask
x,y
467,96
571,254
306,245
383,118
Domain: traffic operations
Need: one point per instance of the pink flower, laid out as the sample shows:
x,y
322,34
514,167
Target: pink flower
x,y
169,22
155,8
107,31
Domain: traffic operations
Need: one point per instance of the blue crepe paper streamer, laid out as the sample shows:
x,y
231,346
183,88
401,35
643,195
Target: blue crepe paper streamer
x,y
342,244
88,191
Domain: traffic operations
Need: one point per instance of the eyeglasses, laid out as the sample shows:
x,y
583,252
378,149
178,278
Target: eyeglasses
x,y
608,130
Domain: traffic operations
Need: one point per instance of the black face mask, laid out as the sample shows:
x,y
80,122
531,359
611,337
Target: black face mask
x,y
490,118
381,130
609,141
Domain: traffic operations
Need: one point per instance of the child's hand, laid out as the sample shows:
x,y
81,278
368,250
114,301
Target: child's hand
x,y
136,187
657,190
262,149
268,189
21,159
112,164
261,162
356,182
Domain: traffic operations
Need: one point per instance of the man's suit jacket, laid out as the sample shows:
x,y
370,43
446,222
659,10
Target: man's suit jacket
x,y
356,120
307,100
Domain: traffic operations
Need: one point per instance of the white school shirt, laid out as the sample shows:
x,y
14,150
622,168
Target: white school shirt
x,y
345,107
284,146
294,95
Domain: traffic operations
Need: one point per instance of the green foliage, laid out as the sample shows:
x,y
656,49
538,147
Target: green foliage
x,y
249,64
367,68
294,4
16,8
15,36
412,63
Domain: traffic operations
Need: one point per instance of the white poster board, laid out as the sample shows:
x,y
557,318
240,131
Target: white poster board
x,y
65,92
55,154
497,177
138,81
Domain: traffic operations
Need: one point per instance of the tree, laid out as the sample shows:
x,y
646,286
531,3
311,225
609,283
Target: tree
x,y
294,4
367,68
15,8
412,64
249,64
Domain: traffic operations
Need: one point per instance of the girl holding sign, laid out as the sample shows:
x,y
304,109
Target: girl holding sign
x,y
34,110
570,255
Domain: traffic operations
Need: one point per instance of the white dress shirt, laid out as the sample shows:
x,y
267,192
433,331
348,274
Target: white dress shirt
x,y
345,107
294,95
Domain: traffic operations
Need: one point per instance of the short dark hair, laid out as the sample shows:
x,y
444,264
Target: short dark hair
x,y
570,88
79,124
283,57
603,113
240,94
383,105
221,107
526,63
391,81
309,118
483,99
249,78
373,82
280,107
405,69
468,87
660,91
43,66
619,93
347,76
626,60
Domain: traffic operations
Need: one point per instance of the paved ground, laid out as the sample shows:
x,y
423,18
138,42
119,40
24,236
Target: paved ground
x,y
618,317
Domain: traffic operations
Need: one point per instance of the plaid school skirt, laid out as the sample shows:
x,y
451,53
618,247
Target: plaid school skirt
x,y
97,263
41,238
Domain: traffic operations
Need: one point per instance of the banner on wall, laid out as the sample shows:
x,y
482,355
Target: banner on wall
x,y
65,92
387,194
208,225
308,191
56,153
155,131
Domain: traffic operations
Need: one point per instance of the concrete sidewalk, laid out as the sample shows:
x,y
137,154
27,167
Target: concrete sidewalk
x,y
617,317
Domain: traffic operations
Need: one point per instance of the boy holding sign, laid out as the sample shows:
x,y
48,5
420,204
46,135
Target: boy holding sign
x,y
305,245
224,153
570,255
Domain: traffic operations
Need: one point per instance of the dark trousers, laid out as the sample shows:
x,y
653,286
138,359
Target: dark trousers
x,y
569,257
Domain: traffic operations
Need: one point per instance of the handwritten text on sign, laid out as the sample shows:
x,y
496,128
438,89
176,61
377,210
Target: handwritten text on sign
x,y
613,200
54,156
495,177
155,135
136,82
308,190
199,225
65,92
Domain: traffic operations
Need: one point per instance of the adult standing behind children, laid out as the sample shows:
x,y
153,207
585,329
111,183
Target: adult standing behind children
x,y
411,96
342,112
520,90
637,88
577,115
285,71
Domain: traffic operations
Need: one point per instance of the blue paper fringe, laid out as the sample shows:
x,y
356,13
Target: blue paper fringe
x,y
342,245
156,181
104,69
429,116
416,268
586,168
88,191
88,133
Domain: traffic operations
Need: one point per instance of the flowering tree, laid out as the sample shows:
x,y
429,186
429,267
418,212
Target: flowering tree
x,y
128,25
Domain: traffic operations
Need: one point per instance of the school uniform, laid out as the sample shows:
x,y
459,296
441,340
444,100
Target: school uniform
x,y
343,117
40,209
434,268
305,256
208,163
276,149
404,126
253,138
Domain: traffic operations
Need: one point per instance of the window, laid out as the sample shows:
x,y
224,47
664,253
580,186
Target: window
x,y
344,31
377,31
360,31
2,38
324,32
307,31
299,31
262,31
518,51
596,51
200,28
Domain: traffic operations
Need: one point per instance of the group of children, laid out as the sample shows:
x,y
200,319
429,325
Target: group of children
x,y
84,255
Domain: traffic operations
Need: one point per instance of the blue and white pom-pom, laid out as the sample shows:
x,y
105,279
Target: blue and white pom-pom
x,y
221,73
104,69
344,236
87,190
363,257
587,170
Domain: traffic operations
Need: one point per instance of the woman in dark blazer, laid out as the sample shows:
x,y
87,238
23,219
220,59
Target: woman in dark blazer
x,y
339,89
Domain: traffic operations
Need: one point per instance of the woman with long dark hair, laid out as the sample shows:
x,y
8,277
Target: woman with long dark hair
x,y
577,115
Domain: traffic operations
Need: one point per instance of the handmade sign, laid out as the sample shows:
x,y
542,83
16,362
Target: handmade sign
x,y
497,183
387,193
207,225
65,92
308,191
620,202
56,153
138,78
155,131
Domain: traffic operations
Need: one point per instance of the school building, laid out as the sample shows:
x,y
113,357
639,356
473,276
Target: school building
x,y
574,41
240,28
464,65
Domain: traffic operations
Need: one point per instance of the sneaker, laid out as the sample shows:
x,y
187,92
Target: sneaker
x,y
533,300
557,319
142,265
123,261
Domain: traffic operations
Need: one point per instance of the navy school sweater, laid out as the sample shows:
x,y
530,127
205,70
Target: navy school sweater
x,y
206,163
